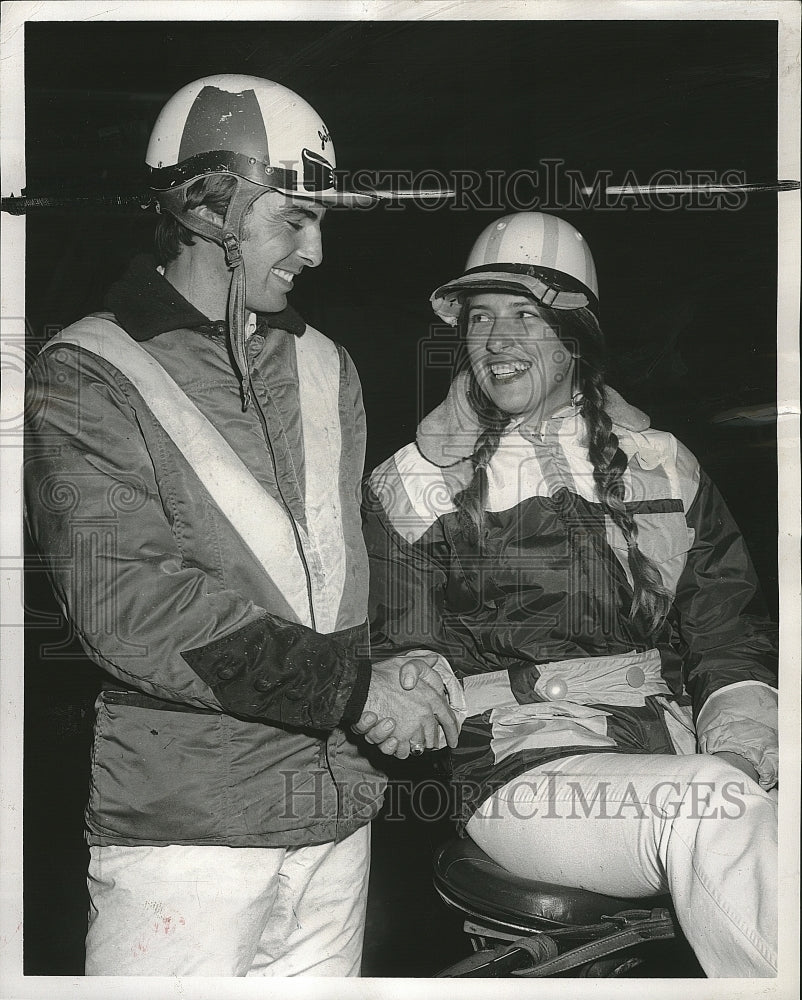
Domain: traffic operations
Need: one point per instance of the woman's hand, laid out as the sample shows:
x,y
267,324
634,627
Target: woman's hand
x,y
385,732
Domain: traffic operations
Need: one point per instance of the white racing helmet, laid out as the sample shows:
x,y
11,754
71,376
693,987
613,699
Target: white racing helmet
x,y
540,255
251,128
262,134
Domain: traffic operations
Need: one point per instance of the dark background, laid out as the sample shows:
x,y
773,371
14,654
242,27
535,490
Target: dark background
x,y
688,296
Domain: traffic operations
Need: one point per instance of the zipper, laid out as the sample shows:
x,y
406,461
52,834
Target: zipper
x,y
334,782
298,541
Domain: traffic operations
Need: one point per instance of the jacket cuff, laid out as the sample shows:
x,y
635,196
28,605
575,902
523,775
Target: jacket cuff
x,y
279,671
742,718
359,694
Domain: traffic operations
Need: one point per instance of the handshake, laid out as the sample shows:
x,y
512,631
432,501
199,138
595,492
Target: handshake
x,y
407,706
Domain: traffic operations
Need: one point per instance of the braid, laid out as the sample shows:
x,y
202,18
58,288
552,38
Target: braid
x,y
471,501
651,600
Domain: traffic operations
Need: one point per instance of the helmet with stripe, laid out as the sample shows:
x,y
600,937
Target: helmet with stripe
x,y
253,129
260,134
541,255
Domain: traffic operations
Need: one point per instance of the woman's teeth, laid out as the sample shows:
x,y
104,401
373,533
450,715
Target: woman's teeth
x,y
505,370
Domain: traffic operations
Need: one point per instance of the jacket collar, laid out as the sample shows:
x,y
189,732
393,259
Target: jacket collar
x,y
146,304
449,433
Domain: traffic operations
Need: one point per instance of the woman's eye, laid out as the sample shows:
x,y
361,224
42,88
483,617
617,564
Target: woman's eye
x,y
526,314
479,318
295,226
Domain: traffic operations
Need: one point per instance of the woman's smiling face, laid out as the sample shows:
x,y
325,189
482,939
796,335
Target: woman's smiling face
x,y
517,358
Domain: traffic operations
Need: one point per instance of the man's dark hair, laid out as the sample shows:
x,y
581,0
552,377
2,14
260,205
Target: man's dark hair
x,y
214,190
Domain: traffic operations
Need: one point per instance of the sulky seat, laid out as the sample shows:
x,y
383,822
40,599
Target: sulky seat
x,y
520,926
469,879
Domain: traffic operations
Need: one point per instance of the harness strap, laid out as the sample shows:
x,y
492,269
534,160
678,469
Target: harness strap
x,y
536,956
646,926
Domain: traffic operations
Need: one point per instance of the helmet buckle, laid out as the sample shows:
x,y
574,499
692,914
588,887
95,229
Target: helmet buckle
x,y
232,250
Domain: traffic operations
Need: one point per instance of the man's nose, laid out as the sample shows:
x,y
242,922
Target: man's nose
x,y
310,248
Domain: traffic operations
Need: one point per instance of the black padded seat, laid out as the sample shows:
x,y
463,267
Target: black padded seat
x,y
467,877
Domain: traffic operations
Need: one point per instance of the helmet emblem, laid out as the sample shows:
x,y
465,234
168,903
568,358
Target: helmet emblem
x,y
318,172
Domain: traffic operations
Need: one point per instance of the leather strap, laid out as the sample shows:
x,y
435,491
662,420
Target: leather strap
x,y
228,236
536,956
658,925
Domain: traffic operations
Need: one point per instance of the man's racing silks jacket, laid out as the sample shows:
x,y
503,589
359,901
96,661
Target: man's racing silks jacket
x,y
211,562
535,623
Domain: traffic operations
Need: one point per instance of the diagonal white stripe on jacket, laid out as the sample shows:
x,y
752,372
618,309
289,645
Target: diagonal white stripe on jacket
x,y
249,509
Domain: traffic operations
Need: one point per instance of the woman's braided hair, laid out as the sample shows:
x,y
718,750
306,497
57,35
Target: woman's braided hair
x,y
580,329
471,502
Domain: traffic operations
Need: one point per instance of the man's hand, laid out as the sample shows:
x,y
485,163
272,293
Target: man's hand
x,y
414,667
406,701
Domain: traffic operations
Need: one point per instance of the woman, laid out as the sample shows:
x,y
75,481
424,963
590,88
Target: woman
x,y
583,580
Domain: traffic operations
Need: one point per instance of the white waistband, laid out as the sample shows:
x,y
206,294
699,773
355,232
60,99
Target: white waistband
x,y
623,679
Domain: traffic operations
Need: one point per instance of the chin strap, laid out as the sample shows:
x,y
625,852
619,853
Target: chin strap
x,y
228,236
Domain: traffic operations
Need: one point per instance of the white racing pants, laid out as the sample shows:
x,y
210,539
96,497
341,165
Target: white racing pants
x,y
228,911
630,826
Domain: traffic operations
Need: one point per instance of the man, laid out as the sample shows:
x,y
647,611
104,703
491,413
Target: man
x,y
192,480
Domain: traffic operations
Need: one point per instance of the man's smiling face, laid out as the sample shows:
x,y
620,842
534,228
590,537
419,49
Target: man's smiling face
x,y
282,236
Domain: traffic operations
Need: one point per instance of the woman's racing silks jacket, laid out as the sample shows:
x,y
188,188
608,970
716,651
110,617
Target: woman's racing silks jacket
x,y
211,562
536,622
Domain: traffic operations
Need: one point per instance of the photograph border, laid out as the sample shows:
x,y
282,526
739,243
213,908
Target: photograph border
x,y
13,984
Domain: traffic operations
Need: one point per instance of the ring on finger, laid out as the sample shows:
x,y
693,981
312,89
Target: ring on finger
x,y
416,748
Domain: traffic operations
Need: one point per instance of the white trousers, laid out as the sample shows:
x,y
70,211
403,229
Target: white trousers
x,y
228,911
630,826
